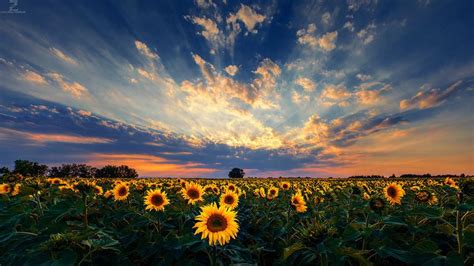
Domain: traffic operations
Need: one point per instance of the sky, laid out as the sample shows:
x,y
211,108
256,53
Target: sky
x,y
278,88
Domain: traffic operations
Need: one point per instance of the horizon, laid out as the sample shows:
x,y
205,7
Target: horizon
x,y
281,88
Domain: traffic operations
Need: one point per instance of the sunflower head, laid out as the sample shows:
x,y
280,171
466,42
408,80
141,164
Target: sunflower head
x,y
285,185
16,190
121,192
394,193
5,188
219,225
298,202
377,204
156,200
262,193
467,188
450,182
229,199
193,192
423,196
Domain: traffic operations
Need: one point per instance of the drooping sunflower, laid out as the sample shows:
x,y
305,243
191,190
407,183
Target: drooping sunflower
x,y
376,204
192,192
108,194
156,200
366,196
423,196
298,202
229,199
450,182
121,192
16,190
219,225
5,188
262,193
394,193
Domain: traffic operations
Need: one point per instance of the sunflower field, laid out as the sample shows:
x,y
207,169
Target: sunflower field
x,y
271,221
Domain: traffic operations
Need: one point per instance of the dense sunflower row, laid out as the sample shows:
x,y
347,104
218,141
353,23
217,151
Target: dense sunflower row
x,y
266,221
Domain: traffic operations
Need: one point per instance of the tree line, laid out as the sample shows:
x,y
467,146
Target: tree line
x,y
29,168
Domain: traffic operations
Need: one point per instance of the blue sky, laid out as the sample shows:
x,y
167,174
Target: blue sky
x,y
194,88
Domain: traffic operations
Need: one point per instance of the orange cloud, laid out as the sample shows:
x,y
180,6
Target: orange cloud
x,y
40,138
151,166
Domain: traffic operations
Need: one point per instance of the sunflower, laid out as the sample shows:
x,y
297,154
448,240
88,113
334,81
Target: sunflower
x,y
394,193
423,196
450,182
272,193
366,196
5,188
377,204
108,194
192,192
98,190
231,187
16,190
54,181
285,185
298,202
219,225
156,200
121,192
229,199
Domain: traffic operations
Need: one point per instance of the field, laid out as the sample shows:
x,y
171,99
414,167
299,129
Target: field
x,y
222,222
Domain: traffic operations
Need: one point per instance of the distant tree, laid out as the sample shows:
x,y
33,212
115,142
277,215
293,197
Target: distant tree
x,y
73,170
112,171
236,173
28,168
4,170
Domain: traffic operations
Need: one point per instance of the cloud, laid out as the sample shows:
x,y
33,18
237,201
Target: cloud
x,y
232,70
428,98
349,26
298,98
326,18
334,92
34,78
59,54
363,77
306,84
248,16
367,35
204,3
41,138
147,74
74,88
150,165
210,31
326,42
369,97
144,50
84,113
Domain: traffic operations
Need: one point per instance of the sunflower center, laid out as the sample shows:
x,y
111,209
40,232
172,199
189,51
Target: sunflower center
x,y
216,223
285,186
229,199
422,196
231,187
157,200
392,192
193,193
122,191
272,192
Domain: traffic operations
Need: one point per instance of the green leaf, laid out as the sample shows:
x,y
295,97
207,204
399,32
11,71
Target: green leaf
x,y
468,235
292,249
425,246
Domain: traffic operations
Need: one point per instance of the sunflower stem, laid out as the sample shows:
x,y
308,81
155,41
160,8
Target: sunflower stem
x,y
85,214
214,256
459,236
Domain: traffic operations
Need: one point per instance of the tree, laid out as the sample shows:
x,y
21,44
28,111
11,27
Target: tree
x,y
4,170
73,170
112,171
27,168
236,173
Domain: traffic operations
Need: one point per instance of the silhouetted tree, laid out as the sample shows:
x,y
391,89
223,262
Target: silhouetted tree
x,y
236,173
27,168
73,170
112,171
4,170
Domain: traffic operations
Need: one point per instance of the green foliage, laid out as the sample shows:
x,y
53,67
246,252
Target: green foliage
x,y
45,225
